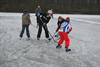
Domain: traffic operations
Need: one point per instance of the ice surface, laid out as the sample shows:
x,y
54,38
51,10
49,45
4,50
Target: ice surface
x,y
85,43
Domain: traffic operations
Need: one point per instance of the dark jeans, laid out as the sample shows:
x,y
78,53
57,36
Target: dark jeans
x,y
27,31
40,31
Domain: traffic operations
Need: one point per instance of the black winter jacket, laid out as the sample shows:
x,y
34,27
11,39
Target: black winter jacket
x,y
44,18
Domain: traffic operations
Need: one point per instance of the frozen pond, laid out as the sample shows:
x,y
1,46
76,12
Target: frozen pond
x,y
85,43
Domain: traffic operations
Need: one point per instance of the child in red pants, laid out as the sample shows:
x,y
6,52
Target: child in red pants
x,y
64,27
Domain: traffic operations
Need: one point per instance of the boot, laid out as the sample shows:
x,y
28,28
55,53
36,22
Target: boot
x,y
67,49
58,46
48,38
38,38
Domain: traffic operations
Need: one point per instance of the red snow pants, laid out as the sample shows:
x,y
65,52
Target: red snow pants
x,y
64,37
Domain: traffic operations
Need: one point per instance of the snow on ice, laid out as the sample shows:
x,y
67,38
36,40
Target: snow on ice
x,y
85,43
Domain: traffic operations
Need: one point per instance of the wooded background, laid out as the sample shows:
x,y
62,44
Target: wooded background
x,y
59,6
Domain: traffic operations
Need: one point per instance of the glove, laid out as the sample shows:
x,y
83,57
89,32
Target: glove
x,y
56,34
40,15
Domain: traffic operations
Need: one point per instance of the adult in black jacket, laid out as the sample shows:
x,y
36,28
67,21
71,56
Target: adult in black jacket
x,y
43,20
38,11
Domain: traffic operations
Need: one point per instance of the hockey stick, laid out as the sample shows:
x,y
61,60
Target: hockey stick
x,y
52,37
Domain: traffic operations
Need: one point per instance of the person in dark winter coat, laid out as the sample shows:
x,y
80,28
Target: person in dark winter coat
x,y
25,24
38,11
43,20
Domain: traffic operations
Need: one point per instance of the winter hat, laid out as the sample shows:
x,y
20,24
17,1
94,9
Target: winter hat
x,y
25,11
68,19
60,17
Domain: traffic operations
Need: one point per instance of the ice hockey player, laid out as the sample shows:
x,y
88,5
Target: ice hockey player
x,y
64,28
42,23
